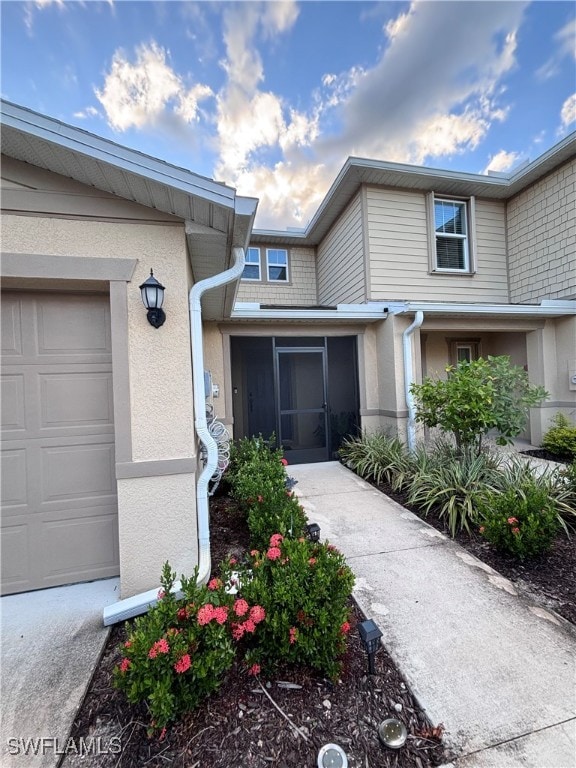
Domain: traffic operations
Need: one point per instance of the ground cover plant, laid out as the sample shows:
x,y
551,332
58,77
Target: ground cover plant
x,y
560,439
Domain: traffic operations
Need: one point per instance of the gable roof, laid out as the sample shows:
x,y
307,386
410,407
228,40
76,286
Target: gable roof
x,y
216,218
358,171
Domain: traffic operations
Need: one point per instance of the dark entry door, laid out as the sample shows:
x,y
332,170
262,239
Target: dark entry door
x,y
302,403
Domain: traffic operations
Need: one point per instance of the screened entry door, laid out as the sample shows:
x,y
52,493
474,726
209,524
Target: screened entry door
x,y
302,403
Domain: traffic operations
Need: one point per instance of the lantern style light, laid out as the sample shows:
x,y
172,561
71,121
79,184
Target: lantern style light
x,y
313,531
332,756
153,298
370,636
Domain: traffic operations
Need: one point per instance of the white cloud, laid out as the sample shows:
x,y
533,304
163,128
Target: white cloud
x,y
502,161
84,114
136,95
568,113
565,47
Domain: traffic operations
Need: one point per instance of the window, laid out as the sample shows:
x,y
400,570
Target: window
x,y
277,263
452,251
463,349
252,266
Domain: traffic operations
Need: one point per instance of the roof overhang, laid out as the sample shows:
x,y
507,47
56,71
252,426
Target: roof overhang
x,y
216,219
547,308
362,313
357,172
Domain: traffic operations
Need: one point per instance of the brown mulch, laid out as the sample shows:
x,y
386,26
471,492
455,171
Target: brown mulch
x,y
241,726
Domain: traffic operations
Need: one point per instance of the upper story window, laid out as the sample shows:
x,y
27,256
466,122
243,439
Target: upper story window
x,y
277,263
275,270
252,270
451,232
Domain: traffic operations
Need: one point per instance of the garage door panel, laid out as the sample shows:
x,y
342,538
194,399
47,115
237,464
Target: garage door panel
x,y
75,399
59,495
78,472
74,327
14,549
14,471
76,547
13,411
11,329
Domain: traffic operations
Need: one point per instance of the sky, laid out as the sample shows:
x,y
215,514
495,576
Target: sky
x,y
272,97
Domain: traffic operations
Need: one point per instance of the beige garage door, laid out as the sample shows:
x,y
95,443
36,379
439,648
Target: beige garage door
x,y
59,506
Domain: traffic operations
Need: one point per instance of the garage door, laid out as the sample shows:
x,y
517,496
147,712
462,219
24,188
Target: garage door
x,y
59,506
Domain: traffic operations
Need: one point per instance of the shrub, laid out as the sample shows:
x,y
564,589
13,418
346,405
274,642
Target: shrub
x,y
177,654
378,457
561,438
259,483
521,520
451,483
304,588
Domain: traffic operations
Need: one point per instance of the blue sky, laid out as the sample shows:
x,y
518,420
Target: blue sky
x,y
272,97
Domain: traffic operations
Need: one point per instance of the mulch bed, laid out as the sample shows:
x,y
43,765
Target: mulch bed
x,y
542,453
240,726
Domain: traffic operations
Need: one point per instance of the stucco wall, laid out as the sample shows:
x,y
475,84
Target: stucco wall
x,y
542,239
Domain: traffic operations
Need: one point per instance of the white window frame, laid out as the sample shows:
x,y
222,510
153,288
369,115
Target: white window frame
x,y
467,238
258,263
268,265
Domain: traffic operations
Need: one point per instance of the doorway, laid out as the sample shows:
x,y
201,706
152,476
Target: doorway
x,y
304,390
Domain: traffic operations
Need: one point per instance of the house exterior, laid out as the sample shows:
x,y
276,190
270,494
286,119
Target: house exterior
x,y
310,335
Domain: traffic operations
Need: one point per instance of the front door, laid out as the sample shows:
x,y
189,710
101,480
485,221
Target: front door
x,y
302,403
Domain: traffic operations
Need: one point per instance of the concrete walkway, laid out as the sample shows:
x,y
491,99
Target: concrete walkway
x,y
51,642
496,669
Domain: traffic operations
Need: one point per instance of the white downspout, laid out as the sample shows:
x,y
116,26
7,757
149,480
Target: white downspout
x,y
409,378
137,604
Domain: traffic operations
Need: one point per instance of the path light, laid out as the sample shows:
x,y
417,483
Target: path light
x,y
152,298
392,733
332,756
313,531
370,636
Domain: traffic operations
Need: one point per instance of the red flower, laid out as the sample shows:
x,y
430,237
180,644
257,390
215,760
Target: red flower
x,y
161,594
240,607
128,644
214,584
182,614
183,664
249,625
206,614
254,669
160,646
276,539
257,614
254,552
260,499
273,553
232,561
482,529
312,561
162,734
125,665
237,631
515,531
512,520
284,461
293,635
345,628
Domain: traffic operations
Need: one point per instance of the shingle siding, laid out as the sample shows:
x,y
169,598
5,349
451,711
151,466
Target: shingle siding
x,y
542,239
299,291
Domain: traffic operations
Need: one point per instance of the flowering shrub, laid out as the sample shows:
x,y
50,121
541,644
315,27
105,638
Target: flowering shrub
x,y
259,482
303,588
178,653
521,521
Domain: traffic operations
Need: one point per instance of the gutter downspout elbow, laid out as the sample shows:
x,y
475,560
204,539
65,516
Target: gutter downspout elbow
x,y
137,604
409,378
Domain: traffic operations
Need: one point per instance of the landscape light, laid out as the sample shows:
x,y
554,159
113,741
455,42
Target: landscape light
x,y
370,636
332,756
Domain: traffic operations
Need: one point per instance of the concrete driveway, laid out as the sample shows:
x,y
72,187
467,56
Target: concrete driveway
x,y
52,640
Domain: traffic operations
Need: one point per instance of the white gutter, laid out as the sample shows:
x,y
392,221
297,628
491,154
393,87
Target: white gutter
x,y
547,308
254,311
137,604
409,378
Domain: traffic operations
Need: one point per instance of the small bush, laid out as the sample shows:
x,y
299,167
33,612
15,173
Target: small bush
x,y
178,653
378,457
304,588
259,483
521,520
561,438
451,482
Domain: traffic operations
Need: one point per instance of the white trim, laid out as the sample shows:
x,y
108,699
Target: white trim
x,y
364,312
545,309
